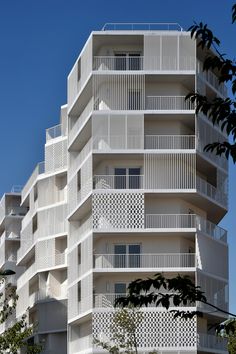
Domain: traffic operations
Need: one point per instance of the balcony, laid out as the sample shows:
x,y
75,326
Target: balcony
x,y
168,103
216,194
147,63
108,301
81,120
211,78
39,169
53,132
170,142
146,261
81,156
118,182
211,342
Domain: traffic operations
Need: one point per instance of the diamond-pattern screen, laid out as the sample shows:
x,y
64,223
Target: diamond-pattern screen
x,y
118,210
158,329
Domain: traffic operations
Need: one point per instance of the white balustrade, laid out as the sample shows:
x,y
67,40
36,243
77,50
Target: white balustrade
x,y
169,142
53,132
108,300
211,341
211,78
211,229
118,142
168,260
164,103
39,169
77,161
170,221
147,63
77,234
81,121
16,189
217,194
118,182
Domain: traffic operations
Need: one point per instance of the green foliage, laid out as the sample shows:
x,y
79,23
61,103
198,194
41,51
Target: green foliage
x,y
15,337
123,332
219,110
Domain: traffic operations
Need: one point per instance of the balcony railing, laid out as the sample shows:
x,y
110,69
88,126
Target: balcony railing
x,y
108,301
211,78
212,192
168,103
39,169
81,121
170,221
131,26
53,132
147,63
169,142
118,182
211,341
168,260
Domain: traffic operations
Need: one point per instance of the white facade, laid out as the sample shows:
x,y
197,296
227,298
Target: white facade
x,y
143,196
138,196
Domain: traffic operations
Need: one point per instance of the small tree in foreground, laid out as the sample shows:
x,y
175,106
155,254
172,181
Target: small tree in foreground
x,y
16,335
178,291
123,332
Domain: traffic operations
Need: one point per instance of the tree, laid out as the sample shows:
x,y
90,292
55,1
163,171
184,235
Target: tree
x,y
221,111
16,335
123,332
178,291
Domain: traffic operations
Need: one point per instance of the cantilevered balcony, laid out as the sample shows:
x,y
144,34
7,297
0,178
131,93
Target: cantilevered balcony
x,y
146,261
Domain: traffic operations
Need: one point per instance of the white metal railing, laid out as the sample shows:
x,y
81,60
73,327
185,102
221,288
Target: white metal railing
x,y
168,260
118,63
168,103
217,194
141,26
175,221
16,211
53,132
16,189
148,63
78,233
77,161
171,142
80,121
211,78
12,236
39,169
212,341
118,182
108,300
212,230
118,142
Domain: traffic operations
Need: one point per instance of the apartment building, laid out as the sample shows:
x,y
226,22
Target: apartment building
x,y
143,195
126,191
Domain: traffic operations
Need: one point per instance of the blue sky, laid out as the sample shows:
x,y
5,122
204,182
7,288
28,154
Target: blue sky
x,y
39,42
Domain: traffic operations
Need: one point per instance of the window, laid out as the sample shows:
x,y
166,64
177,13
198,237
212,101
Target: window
x,y
120,288
127,256
127,61
79,70
127,178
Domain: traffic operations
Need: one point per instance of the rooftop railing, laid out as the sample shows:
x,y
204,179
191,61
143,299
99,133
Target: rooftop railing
x,y
142,26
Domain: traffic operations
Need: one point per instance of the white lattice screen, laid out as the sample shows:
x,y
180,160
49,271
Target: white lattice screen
x,y
170,171
52,221
56,156
118,210
157,329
